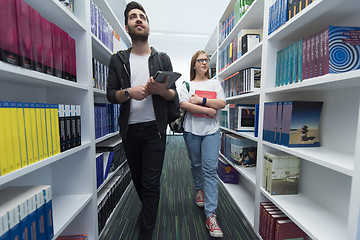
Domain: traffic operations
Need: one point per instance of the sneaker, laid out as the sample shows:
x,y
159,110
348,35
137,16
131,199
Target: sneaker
x,y
213,227
199,200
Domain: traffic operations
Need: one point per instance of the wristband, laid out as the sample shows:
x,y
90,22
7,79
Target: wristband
x,y
204,101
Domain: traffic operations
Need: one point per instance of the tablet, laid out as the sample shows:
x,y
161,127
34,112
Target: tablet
x,y
173,76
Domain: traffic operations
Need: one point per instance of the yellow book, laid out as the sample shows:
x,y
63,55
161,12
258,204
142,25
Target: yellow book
x,y
55,128
22,136
43,130
15,134
28,134
48,129
3,153
39,131
34,132
9,148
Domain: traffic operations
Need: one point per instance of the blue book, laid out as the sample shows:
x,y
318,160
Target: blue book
x,y
10,209
278,126
4,226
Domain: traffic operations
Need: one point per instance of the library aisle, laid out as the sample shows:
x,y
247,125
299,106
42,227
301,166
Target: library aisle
x,y
178,217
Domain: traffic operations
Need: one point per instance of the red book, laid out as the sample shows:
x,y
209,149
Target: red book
x,y
24,33
36,38
204,94
263,206
72,49
287,229
48,60
272,223
65,55
57,53
9,49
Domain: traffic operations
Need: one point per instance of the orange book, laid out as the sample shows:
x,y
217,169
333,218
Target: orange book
x,y
204,94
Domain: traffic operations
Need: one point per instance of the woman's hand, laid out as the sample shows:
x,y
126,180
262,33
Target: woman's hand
x,y
195,99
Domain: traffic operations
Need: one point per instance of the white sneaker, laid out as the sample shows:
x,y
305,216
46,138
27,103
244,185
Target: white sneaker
x,y
199,200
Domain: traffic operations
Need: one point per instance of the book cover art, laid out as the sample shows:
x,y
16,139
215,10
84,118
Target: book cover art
x,y
204,94
245,117
300,123
227,173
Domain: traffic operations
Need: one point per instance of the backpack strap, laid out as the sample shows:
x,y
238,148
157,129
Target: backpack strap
x,y
187,85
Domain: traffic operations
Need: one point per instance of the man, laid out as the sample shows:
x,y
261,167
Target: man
x,y
143,115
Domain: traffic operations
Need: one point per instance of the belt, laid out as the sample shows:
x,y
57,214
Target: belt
x,y
143,124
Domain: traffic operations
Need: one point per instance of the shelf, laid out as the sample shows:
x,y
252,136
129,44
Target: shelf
x,y
246,97
253,19
99,92
100,51
249,173
317,221
112,19
248,135
326,82
30,168
110,175
249,59
243,199
325,157
18,75
66,208
106,137
58,14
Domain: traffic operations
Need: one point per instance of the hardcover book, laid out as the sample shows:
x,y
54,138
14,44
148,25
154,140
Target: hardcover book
x,y
249,42
204,94
56,46
24,34
287,229
36,37
48,57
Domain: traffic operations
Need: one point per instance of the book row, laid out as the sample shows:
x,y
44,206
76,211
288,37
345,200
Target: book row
x,y
283,10
109,156
111,194
244,81
32,42
106,118
335,49
69,4
240,7
102,29
32,132
292,123
26,213
245,41
239,150
280,173
275,225
100,74
239,117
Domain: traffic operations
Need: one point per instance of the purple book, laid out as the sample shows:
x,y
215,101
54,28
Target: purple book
x,y
312,56
321,54
36,39
57,53
304,59
265,124
48,57
72,50
326,52
278,126
24,34
316,54
272,121
9,50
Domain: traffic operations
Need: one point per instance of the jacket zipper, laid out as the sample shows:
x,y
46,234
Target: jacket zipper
x,y
127,72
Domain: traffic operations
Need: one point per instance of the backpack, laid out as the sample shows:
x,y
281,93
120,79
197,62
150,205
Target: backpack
x,y
177,126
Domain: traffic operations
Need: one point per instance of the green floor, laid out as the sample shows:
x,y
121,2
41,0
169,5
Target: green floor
x,y
178,217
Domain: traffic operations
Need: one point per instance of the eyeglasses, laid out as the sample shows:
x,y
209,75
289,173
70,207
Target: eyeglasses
x,y
202,60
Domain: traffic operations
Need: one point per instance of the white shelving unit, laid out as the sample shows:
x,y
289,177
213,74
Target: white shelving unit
x,y
328,203
72,174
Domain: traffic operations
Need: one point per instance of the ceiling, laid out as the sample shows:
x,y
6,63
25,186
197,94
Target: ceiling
x,y
178,27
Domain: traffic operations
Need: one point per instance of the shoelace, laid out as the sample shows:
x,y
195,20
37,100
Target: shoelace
x,y
213,223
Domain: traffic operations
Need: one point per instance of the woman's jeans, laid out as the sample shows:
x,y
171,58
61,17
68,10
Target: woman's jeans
x,y
204,153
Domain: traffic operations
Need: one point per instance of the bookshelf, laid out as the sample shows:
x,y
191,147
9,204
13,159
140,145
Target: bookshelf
x,y
327,206
72,174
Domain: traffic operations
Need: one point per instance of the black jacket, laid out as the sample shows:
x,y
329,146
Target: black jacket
x,y
119,78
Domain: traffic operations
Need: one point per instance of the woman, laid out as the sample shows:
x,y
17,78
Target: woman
x,y
202,135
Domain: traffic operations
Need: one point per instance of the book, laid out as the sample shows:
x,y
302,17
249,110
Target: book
x,y
49,130
57,51
39,131
261,217
4,225
72,61
10,209
24,34
34,132
48,57
42,116
65,54
249,42
8,136
28,134
22,136
9,50
4,169
15,135
227,173
55,128
78,125
161,75
36,37
272,224
300,124
245,119
287,229
204,94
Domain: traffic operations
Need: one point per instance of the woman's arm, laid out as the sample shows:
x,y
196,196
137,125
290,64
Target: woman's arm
x,y
194,108
210,103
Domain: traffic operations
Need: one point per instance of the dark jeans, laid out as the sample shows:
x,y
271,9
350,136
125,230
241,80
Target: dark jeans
x,y
145,151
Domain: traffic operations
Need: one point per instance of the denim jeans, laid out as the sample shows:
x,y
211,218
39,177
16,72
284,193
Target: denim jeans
x,y
145,151
204,153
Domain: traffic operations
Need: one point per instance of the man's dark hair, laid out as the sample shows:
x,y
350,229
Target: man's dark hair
x,y
133,5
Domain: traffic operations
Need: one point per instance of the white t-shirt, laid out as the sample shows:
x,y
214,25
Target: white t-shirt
x,y
140,111
198,125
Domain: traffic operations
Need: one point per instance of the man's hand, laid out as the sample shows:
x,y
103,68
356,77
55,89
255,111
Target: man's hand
x,y
138,92
154,87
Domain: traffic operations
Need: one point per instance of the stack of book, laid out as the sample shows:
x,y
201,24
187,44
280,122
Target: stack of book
x,y
280,173
26,212
31,41
275,225
70,126
100,74
106,118
292,123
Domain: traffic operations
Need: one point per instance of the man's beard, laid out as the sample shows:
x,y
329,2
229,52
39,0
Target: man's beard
x,y
138,36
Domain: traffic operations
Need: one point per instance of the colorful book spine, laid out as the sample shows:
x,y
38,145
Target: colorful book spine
x,y
43,130
22,136
39,131
24,34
